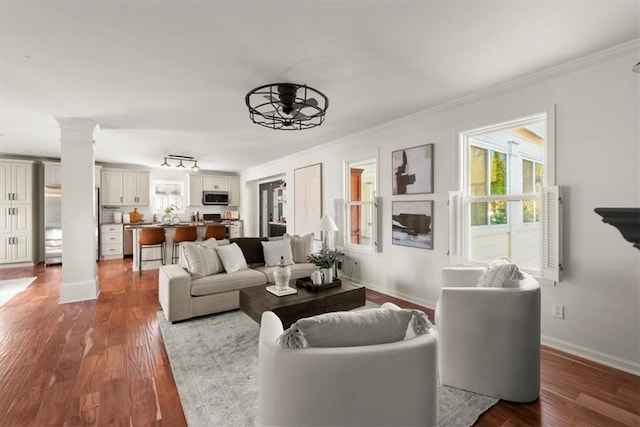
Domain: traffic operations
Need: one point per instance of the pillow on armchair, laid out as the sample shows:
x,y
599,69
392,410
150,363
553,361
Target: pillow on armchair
x,y
354,328
500,273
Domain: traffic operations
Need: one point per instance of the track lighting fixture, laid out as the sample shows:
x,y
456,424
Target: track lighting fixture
x,y
181,159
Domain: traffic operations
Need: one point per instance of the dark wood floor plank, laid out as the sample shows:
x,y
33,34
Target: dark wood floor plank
x,y
103,362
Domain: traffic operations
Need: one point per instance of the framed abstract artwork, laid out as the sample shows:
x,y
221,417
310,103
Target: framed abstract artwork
x,y
412,223
307,205
412,170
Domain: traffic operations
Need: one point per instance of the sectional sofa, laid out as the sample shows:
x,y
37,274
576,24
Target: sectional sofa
x,y
184,294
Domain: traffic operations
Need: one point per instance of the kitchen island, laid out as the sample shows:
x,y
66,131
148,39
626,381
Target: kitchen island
x,y
234,229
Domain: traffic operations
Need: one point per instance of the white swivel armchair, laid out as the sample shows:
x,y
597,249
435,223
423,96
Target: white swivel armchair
x,y
489,338
372,385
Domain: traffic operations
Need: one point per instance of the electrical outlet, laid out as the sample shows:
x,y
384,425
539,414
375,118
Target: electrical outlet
x,y
557,310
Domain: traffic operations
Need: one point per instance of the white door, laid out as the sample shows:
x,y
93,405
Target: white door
x,y
129,188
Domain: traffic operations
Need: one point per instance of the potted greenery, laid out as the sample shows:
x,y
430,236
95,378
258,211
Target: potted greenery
x,y
325,259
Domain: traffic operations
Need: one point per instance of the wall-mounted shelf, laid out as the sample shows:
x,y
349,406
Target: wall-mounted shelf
x,y
626,220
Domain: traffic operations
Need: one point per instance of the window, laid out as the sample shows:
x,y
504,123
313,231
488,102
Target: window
x,y
499,210
360,219
168,194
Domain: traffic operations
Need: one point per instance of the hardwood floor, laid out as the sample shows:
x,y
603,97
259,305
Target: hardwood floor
x,y
103,362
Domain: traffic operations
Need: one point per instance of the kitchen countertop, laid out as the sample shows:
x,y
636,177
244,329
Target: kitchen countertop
x,y
182,224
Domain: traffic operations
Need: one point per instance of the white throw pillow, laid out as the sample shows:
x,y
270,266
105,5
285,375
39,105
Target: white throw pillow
x,y
200,258
301,247
276,249
232,258
354,328
500,272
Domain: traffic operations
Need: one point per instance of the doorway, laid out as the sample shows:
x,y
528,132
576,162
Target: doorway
x,y
272,207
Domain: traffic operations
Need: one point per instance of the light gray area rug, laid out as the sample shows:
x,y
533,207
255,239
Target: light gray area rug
x,y
12,287
214,360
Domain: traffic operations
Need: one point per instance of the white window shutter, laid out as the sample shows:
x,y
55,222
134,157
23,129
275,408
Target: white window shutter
x,y
551,212
338,215
377,225
456,227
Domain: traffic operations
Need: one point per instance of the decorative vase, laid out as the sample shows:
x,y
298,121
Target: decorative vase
x,y
316,277
327,275
166,219
282,274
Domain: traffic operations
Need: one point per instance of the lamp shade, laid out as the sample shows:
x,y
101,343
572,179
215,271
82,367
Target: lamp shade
x,y
327,224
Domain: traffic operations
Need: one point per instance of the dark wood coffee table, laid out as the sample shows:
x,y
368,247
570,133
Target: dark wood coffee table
x,y
256,300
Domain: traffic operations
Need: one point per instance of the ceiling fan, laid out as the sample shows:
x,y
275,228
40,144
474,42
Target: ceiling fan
x,y
285,104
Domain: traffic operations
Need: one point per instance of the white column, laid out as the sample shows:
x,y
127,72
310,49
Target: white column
x,y
79,272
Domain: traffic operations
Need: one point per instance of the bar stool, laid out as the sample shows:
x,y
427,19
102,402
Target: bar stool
x,y
216,231
183,234
151,237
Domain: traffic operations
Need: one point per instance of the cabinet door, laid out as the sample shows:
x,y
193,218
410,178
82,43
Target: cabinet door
x,y
129,188
142,188
220,183
6,219
21,219
234,191
5,181
22,248
52,174
195,190
22,182
111,191
6,250
214,183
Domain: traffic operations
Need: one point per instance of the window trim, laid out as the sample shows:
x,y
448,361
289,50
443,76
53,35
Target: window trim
x,y
155,182
550,198
345,229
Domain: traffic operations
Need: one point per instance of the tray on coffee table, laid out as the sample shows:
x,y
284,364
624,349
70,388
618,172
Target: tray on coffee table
x,y
305,282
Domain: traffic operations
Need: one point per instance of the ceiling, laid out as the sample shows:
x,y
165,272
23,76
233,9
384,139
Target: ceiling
x,y
170,77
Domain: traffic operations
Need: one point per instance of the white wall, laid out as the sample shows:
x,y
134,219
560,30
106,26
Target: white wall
x,y
597,160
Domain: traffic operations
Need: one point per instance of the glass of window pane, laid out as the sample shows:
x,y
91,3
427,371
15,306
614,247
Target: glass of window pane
x,y
527,176
478,172
498,173
479,213
361,217
498,213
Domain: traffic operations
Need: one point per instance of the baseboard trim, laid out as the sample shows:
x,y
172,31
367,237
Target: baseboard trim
x,y
392,293
592,355
79,291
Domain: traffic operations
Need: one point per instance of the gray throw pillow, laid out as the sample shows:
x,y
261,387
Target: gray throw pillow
x,y
232,258
301,247
354,328
200,258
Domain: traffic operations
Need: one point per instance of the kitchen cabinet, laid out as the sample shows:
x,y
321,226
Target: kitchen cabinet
x,y
214,183
16,211
111,238
17,181
135,188
128,188
195,190
52,174
234,230
199,183
234,191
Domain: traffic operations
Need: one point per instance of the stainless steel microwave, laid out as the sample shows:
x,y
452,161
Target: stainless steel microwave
x,y
220,198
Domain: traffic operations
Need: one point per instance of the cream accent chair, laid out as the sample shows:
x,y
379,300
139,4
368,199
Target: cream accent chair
x,y
489,338
393,384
